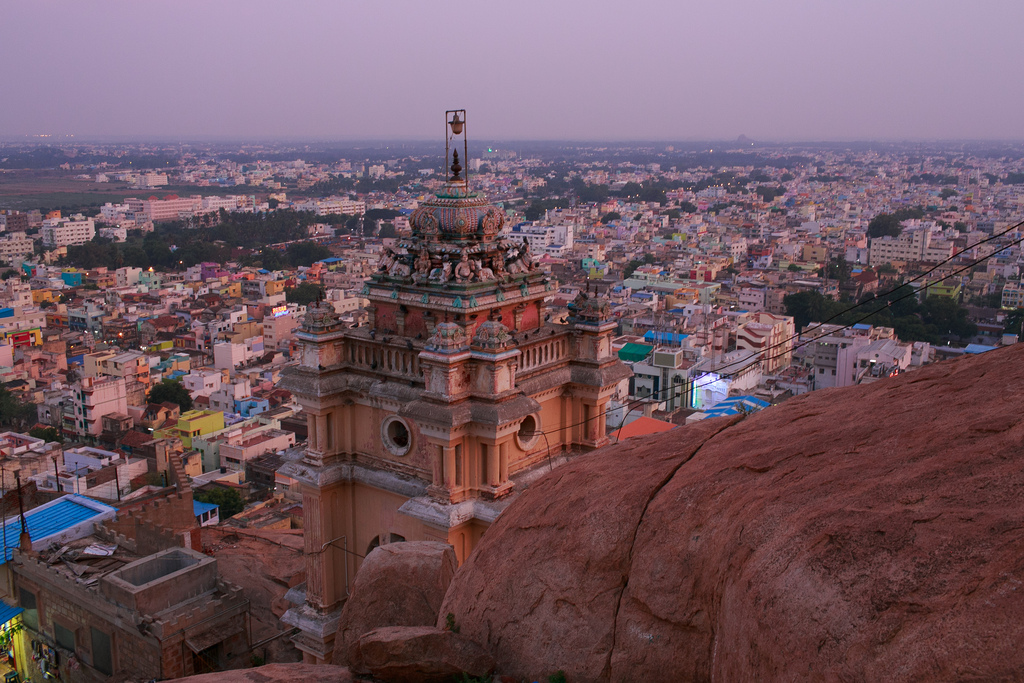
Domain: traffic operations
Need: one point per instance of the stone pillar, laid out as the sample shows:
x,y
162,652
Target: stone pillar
x,y
493,465
449,467
321,433
503,462
437,479
311,430
314,537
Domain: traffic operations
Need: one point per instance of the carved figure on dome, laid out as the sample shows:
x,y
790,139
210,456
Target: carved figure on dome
x,y
400,269
442,273
492,335
422,265
514,264
387,260
425,221
525,257
492,222
483,273
498,265
447,337
463,269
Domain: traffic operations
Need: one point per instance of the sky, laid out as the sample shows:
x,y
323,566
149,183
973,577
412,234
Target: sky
x,y
773,70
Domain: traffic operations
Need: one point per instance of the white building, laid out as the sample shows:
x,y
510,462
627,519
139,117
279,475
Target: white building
x,y
913,244
15,247
62,232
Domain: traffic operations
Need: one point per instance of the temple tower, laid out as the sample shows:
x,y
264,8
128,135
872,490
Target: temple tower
x,y
422,423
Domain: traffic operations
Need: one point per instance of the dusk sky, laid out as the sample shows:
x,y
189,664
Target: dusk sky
x,y
779,70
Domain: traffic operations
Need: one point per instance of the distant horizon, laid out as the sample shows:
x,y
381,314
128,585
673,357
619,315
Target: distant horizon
x,y
211,139
789,72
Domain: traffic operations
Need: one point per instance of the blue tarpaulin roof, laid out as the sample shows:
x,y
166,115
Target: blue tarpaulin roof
x,y
48,520
978,348
7,612
736,404
664,337
199,507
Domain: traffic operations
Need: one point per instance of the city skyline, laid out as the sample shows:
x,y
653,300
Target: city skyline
x,y
789,72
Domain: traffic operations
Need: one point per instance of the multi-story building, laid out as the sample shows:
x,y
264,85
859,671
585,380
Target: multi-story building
x,y
1013,295
769,335
192,424
234,456
91,399
15,247
62,232
14,221
278,328
423,423
913,244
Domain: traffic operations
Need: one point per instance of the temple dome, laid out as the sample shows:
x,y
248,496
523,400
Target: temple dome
x,y
456,214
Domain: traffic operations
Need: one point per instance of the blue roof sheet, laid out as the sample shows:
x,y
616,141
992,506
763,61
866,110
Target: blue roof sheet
x,y
665,337
46,521
978,348
199,507
7,612
861,326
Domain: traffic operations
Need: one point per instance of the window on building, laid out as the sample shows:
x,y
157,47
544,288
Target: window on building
x,y
64,636
483,464
30,617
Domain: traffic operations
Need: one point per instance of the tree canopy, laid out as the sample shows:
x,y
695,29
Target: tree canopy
x,y
172,391
888,224
936,320
303,294
229,500
15,414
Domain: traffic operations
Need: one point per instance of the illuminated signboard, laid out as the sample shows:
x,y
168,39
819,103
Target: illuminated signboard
x,y
278,311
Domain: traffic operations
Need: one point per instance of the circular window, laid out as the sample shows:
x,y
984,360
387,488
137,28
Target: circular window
x,y
396,436
529,432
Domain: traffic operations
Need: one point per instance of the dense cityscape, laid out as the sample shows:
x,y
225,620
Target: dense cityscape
x,y
194,319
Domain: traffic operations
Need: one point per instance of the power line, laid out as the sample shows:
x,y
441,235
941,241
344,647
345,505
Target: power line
x,y
758,355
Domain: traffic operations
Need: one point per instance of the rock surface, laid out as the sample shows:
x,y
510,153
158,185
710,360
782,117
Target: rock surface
x,y
869,533
414,654
265,563
275,673
398,584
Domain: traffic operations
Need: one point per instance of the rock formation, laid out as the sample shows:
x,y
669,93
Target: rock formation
x,y
399,584
870,533
275,673
419,654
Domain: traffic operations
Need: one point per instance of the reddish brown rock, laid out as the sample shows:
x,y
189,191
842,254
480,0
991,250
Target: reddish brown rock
x,y
275,673
871,533
415,654
398,584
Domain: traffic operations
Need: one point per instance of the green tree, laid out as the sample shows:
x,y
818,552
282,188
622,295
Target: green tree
x,y
610,216
303,294
305,253
1013,320
793,268
948,192
810,307
889,223
14,413
687,207
46,434
172,391
229,500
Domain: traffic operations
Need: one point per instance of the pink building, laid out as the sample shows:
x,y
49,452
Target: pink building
x,y
94,398
234,456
